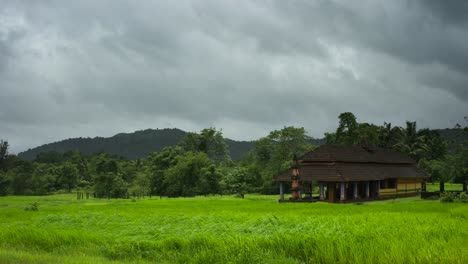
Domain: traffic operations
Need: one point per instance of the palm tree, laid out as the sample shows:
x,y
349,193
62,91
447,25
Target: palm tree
x,y
388,135
411,142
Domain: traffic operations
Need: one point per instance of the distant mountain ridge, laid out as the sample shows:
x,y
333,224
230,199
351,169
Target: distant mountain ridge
x,y
134,145
141,143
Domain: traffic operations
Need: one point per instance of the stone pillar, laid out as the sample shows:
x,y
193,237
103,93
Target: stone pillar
x,y
281,191
322,197
377,190
367,189
342,191
355,190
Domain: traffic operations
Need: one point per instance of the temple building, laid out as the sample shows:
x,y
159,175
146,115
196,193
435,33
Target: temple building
x,y
352,173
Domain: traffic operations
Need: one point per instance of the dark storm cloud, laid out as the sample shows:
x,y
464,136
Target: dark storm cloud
x,y
453,12
86,68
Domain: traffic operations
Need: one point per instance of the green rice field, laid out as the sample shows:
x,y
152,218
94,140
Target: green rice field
x,y
434,187
224,229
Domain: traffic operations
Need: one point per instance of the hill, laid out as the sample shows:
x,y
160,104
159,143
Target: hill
x,y
130,145
141,143
134,145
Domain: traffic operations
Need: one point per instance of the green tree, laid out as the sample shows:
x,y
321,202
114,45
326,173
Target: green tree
x,y
209,181
20,176
239,181
346,133
275,153
49,157
68,176
351,132
3,152
435,147
388,135
209,141
110,185
367,133
141,186
182,179
44,178
158,164
412,143
4,183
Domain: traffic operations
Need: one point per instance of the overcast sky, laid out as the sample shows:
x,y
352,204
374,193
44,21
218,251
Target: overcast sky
x,y
97,68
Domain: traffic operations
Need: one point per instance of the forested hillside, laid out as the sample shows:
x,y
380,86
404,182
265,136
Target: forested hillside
x,y
134,145
176,163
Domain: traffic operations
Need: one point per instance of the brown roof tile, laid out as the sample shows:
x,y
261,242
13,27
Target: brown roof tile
x,y
342,171
355,153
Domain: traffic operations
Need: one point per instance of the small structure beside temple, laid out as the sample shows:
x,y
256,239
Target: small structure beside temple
x,y
352,173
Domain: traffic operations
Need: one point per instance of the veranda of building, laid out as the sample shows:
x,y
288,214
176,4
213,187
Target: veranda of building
x,y
353,173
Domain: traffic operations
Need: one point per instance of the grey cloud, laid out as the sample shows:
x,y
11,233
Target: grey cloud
x,y
453,12
90,68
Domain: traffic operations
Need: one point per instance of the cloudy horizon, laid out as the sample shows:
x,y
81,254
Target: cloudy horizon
x,y
98,68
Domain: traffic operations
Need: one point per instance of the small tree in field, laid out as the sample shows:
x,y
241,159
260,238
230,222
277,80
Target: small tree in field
x,y
239,181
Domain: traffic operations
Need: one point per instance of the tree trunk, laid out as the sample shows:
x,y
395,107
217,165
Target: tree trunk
x,y
442,186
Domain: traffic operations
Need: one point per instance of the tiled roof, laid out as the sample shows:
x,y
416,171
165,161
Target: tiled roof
x,y
342,171
353,163
355,153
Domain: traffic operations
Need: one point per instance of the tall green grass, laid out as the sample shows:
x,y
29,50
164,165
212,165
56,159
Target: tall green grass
x,y
230,230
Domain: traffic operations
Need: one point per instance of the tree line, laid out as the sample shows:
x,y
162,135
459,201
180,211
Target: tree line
x,y
201,164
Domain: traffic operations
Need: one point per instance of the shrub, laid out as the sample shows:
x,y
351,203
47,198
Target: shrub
x,y
32,207
462,197
448,197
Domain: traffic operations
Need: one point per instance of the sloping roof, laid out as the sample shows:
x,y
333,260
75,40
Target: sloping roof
x,y
353,163
355,153
342,171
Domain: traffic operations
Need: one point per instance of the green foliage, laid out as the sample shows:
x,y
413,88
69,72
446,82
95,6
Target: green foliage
x,y
418,144
209,141
32,207
274,154
448,197
4,183
158,164
44,178
67,176
182,179
389,136
200,165
368,133
110,185
240,181
49,157
346,133
209,181
141,186
462,197
3,152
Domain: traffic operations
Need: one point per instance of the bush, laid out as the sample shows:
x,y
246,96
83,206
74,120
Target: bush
x,y
447,197
450,197
32,207
462,197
